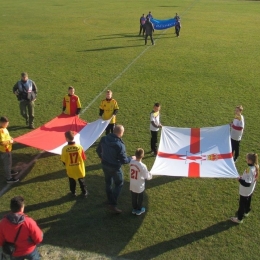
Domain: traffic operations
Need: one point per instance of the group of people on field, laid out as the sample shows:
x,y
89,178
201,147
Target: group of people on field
x,y
112,152
147,27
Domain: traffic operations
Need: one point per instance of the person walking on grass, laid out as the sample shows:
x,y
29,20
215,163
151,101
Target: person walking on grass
x,y
108,109
111,150
149,29
237,128
73,158
71,103
247,186
6,142
138,175
29,236
142,22
155,125
26,92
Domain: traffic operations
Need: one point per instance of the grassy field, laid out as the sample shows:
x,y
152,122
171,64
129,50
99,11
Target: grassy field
x,y
198,78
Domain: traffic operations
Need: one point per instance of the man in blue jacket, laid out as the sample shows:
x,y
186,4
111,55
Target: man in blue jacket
x,y
111,150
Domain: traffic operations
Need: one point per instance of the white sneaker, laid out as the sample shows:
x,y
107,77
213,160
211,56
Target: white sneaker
x,y
236,220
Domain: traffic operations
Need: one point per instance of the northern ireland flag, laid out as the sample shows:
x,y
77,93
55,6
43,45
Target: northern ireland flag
x,y
50,137
195,152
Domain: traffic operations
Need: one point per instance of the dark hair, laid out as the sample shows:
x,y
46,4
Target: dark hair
x,y
157,104
69,135
70,88
4,119
16,204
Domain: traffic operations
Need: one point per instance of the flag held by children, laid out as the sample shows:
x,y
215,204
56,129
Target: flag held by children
x,y
195,152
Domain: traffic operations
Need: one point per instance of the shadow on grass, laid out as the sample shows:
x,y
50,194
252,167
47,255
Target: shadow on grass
x,y
110,48
14,128
160,248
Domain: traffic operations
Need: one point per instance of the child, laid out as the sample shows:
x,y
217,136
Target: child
x,y
108,109
138,174
71,103
237,127
6,142
155,125
73,157
247,186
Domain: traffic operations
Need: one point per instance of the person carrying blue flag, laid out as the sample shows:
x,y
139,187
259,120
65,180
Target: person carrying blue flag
x,y
142,22
178,28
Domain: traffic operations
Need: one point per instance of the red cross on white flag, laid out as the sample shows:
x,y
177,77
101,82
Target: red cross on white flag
x,y
195,152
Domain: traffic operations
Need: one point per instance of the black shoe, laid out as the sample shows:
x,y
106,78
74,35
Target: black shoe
x,y
12,180
13,173
85,194
73,194
114,209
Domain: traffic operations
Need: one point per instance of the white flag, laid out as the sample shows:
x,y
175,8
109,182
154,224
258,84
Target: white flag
x,y
195,152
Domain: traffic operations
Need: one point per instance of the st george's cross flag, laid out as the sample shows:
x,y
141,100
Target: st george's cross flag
x,y
50,136
195,152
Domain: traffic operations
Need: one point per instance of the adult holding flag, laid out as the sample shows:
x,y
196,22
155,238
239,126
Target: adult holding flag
x,y
142,22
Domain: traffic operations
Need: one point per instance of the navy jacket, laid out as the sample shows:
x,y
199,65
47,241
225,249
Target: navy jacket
x,y
111,151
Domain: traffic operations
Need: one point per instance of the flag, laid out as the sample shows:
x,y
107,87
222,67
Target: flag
x,y
50,137
195,152
163,24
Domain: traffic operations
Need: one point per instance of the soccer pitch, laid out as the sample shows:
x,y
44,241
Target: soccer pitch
x,y
198,78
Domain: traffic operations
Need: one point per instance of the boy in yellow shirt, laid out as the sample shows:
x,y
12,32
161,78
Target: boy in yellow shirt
x,y
73,157
108,108
6,142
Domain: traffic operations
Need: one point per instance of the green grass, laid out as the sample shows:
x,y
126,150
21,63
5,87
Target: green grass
x,y
198,78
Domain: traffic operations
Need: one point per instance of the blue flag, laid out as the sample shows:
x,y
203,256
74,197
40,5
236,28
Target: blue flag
x,y
163,24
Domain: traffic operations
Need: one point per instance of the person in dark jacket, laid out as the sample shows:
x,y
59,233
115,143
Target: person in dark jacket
x,y
142,22
149,29
111,150
26,92
178,28
29,236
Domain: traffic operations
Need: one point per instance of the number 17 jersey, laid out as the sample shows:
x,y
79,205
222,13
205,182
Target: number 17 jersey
x,y
73,156
138,174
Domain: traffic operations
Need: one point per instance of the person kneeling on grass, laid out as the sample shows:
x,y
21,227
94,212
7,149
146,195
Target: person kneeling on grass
x,y
247,186
138,175
73,157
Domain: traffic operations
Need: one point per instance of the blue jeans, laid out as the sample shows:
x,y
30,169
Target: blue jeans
x,y
34,255
115,176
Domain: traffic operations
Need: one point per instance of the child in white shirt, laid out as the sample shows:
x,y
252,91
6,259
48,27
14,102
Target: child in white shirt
x,y
138,175
247,186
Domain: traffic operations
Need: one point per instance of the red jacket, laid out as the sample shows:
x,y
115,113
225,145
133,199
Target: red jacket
x,y
30,234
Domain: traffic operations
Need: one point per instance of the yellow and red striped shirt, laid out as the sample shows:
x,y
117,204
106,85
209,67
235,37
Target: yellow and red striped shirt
x,y
71,103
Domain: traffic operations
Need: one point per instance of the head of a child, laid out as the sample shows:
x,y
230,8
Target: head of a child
x,y
156,107
238,110
69,135
139,154
71,90
109,94
252,158
4,122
